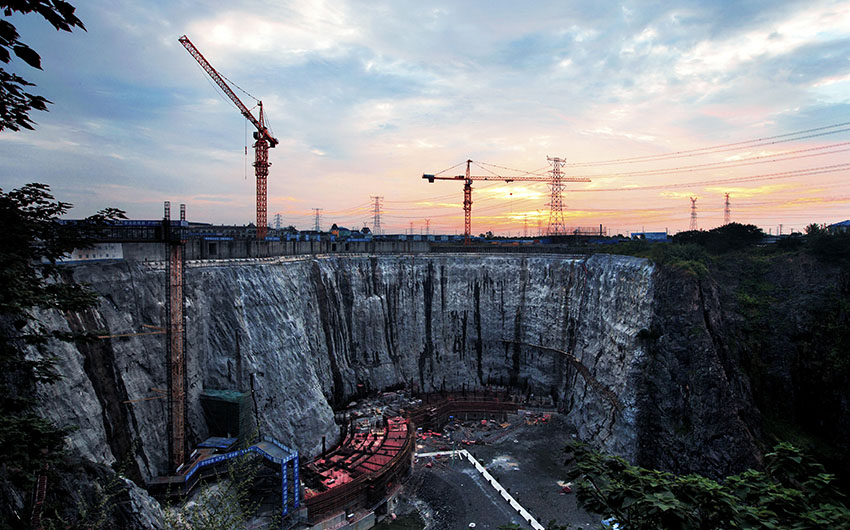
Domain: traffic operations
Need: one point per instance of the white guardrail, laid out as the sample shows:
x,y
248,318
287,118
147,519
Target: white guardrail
x,y
493,482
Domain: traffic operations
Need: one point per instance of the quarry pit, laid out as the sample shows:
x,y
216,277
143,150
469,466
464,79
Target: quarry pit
x,y
305,338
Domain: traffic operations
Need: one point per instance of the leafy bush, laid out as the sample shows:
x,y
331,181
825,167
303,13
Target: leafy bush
x,y
833,248
794,492
726,238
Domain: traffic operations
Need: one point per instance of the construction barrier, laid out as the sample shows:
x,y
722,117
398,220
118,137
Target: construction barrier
x,y
492,481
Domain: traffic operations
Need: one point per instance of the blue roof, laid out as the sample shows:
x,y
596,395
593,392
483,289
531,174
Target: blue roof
x,y
842,223
218,443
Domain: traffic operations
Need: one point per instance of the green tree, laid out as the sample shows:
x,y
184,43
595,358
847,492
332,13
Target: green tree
x,y
793,493
15,100
230,502
31,244
813,229
726,238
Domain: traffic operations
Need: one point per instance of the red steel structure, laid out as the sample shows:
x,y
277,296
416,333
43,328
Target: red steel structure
x,y
467,189
361,472
175,338
263,137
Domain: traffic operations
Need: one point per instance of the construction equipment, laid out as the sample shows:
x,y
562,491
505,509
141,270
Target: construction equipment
x,y
263,137
467,189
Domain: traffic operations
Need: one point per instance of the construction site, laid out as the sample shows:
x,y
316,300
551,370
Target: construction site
x,y
348,378
384,455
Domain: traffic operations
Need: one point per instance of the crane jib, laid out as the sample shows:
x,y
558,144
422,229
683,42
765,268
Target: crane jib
x,y
263,137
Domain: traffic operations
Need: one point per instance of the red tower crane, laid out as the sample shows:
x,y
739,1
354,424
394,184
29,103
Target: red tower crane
x,y
467,189
263,137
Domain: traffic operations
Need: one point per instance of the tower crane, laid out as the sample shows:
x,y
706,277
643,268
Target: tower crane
x,y
263,137
467,189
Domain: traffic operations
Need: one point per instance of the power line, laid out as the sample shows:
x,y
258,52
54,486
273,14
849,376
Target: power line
x,y
722,147
726,164
753,178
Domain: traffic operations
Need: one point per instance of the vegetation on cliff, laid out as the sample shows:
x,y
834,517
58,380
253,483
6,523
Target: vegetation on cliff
x,y
31,244
781,326
793,492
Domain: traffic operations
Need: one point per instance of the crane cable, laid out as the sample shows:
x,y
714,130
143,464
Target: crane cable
x,y
239,87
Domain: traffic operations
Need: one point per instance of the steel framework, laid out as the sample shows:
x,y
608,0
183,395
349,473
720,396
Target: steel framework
x,y
693,213
318,225
376,214
175,338
467,189
556,202
727,211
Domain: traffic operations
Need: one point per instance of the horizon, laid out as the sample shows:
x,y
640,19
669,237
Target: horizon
x,y
367,98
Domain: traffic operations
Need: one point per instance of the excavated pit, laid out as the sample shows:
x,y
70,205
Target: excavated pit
x,y
314,332
620,349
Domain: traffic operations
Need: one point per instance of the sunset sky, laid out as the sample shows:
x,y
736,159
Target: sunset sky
x,y
366,96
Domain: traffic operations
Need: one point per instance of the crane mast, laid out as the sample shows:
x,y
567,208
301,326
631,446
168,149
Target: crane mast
x,y
264,139
467,190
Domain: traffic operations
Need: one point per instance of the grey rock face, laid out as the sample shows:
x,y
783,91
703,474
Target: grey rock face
x,y
315,331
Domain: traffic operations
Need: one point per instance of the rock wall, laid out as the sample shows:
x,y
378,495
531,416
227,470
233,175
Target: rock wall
x,y
315,331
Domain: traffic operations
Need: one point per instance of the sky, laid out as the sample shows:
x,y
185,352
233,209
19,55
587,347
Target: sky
x,y
654,102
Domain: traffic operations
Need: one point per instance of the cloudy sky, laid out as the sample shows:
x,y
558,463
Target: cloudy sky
x,y
366,96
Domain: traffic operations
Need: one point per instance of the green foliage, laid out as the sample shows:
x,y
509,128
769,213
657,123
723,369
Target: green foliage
x,y
15,101
99,511
691,258
228,503
833,248
726,238
31,243
813,229
794,493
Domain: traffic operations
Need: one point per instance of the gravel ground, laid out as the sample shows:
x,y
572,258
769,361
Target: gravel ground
x,y
526,459
456,496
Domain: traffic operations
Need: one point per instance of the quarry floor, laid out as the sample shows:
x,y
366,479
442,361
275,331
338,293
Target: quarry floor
x,y
525,456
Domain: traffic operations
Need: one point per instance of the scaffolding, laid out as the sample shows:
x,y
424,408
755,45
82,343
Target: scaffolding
x,y
175,337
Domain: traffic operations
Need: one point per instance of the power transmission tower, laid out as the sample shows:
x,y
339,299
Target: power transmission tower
x,y
427,227
556,202
277,221
727,212
693,213
411,227
525,225
539,224
376,212
318,226
467,188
